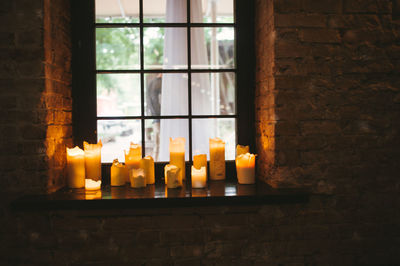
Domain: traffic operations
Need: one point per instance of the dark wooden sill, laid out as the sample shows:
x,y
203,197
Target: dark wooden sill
x,y
158,196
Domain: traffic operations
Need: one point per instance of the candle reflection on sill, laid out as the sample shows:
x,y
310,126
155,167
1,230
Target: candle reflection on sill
x,y
199,192
175,192
246,190
92,194
217,188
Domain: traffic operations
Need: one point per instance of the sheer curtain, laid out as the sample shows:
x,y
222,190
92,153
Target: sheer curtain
x,y
174,93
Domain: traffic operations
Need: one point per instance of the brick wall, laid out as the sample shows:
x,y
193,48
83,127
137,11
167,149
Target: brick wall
x,y
327,99
36,94
331,116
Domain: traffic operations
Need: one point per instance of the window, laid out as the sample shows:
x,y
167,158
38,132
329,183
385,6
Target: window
x,y
148,70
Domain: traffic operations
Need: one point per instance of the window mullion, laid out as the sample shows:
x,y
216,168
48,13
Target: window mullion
x,y
189,59
142,121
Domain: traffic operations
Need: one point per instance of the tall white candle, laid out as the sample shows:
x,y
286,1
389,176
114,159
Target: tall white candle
x,y
245,168
199,177
92,160
75,168
177,154
147,164
217,159
133,157
118,173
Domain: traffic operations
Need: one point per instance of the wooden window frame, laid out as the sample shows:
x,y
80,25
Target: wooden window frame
x,y
84,76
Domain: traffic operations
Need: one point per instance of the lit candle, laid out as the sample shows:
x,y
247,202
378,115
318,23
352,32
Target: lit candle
x,y
137,178
92,160
147,164
177,154
241,149
173,178
118,173
199,161
76,167
245,168
91,184
199,177
133,157
217,159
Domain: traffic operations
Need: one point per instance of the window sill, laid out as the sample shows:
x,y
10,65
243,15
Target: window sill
x,y
158,196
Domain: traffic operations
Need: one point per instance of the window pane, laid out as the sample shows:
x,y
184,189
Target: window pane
x,y
158,132
165,48
223,128
116,136
220,11
118,95
166,94
213,47
159,11
213,93
117,11
117,48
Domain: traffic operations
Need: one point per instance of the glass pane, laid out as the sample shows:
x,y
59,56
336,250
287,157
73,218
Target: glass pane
x,y
117,48
204,129
213,93
166,94
116,136
165,48
213,47
220,11
159,11
117,11
118,94
158,132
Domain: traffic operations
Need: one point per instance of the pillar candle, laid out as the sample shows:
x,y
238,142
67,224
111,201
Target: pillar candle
x,y
75,168
93,160
177,154
147,164
133,157
217,159
91,184
137,178
118,173
241,149
172,177
245,168
199,177
199,161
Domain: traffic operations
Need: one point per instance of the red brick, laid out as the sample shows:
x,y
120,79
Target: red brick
x,y
320,36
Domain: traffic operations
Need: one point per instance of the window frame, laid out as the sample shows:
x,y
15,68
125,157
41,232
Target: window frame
x,y
84,76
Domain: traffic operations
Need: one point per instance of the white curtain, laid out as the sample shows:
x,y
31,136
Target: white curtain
x,y
174,92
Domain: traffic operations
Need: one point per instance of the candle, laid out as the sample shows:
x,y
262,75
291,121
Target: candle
x,y
177,154
75,168
133,157
137,178
147,164
199,161
199,177
173,178
217,159
241,149
91,184
118,173
245,168
92,160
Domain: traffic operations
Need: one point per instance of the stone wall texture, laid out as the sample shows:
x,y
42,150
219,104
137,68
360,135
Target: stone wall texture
x,y
327,118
